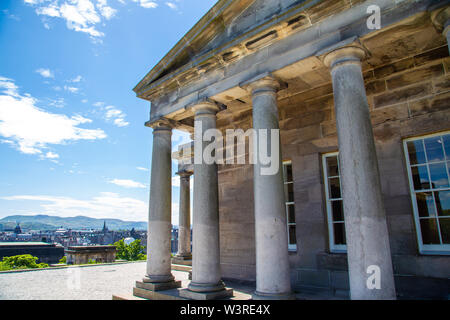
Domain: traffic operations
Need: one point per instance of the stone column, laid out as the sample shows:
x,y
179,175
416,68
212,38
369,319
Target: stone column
x,y
159,276
206,274
368,250
441,20
184,224
272,264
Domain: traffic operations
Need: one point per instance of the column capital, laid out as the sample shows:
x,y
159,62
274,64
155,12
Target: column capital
x,y
263,83
161,124
441,19
347,54
205,107
184,173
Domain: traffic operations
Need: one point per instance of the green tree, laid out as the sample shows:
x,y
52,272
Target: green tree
x,y
63,260
24,261
132,252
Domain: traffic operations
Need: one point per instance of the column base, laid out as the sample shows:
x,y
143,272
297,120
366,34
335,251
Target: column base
x,y
273,296
206,287
158,279
158,286
214,295
183,260
183,256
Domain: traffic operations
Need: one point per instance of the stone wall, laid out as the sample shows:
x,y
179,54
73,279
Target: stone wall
x,y
407,97
46,253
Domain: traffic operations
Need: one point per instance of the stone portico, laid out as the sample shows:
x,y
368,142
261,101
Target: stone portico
x,y
316,71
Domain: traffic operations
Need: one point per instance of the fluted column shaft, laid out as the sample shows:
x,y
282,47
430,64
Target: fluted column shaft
x,y
272,265
368,249
159,219
184,224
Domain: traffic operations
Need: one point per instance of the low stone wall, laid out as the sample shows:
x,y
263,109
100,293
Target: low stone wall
x,y
99,254
46,252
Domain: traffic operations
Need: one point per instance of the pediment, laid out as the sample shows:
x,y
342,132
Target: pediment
x,y
226,21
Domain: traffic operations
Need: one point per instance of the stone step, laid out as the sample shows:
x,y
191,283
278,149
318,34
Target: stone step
x,y
126,296
172,294
185,262
179,267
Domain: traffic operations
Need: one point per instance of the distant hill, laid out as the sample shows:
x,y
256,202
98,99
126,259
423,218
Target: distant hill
x,y
44,222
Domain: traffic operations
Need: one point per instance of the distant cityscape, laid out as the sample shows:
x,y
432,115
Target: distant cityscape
x,y
22,240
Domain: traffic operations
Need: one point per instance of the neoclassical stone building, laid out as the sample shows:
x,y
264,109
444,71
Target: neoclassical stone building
x,y
361,207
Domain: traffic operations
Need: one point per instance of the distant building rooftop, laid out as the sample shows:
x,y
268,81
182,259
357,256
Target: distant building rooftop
x,y
18,243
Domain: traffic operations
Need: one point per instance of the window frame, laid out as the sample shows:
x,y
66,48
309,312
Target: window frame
x,y
291,247
425,249
334,248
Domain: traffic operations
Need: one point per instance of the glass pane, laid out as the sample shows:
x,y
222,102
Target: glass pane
x,y
290,192
332,166
338,210
429,231
289,173
438,175
446,139
434,149
416,152
291,213
425,204
292,236
339,233
443,202
444,224
335,188
420,177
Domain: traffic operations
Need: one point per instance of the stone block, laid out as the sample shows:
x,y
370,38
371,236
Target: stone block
x,y
157,295
158,286
426,106
392,68
340,280
314,278
409,93
442,85
415,76
332,261
216,295
432,55
375,87
390,113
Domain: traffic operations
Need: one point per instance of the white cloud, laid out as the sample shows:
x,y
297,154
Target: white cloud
x,y
107,204
147,4
46,73
99,104
127,183
31,128
51,155
115,116
82,15
76,79
142,169
71,89
172,5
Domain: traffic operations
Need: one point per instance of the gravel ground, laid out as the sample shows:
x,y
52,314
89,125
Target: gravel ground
x,y
75,283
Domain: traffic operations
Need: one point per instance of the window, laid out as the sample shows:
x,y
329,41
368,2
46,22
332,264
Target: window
x,y
290,206
428,162
335,209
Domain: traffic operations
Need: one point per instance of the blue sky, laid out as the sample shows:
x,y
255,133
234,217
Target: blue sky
x,y
72,134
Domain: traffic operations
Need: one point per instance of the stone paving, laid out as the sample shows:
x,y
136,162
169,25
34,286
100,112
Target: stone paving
x,y
97,282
